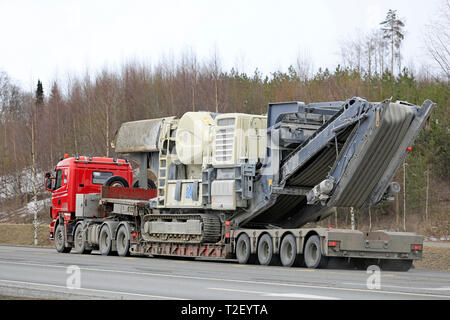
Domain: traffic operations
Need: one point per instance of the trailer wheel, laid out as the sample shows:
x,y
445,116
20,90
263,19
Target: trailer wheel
x,y
288,251
116,181
313,253
123,242
105,241
243,250
79,241
60,239
265,251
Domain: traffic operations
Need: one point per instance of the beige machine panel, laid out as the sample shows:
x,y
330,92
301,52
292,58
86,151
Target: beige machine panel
x,y
187,196
238,138
223,195
193,137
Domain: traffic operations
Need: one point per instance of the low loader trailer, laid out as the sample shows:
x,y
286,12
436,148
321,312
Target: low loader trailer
x,y
241,186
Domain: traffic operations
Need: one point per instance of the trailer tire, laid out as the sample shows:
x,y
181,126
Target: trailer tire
x,y
60,239
123,241
116,181
265,251
243,250
79,240
288,251
105,241
313,253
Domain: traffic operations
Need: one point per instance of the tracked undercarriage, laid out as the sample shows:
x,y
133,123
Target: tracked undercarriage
x,y
181,228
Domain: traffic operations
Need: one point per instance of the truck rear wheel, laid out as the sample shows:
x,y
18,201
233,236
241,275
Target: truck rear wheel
x,y
60,239
123,242
288,251
243,250
265,251
313,253
105,241
79,241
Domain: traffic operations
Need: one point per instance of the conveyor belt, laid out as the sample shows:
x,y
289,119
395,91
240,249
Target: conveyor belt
x,y
316,169
373,156
371,144
369,156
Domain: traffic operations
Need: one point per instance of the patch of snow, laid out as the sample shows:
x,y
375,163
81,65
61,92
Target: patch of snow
x,y
18,183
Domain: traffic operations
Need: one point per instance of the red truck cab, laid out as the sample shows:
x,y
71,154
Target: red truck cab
x,y
82,175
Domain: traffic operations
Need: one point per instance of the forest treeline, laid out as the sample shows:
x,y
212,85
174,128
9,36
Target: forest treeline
x,y
82,116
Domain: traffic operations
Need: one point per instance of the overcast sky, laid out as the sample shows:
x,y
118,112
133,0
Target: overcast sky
x,y
49,39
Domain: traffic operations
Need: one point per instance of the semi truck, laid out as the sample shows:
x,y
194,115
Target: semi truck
x,y
243,186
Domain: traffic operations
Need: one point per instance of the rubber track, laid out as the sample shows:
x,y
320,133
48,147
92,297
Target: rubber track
x,y
211,231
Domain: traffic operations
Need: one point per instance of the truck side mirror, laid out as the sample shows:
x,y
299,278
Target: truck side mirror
x,y
48,182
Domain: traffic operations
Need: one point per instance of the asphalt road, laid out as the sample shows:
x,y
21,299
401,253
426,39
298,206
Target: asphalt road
x,y
44,273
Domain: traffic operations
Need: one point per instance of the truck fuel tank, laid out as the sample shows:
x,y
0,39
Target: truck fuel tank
x,y
87,205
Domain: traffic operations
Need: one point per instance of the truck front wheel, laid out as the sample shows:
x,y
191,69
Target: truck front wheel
x,y
60,239
313,253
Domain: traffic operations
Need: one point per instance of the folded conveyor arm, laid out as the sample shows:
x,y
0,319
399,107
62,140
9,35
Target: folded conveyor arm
x,y
349,161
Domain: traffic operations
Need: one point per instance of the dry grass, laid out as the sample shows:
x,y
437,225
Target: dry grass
x,y
23,235
434,258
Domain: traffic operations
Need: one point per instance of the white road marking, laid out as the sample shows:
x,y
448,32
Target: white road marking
x,y
300,296
401,287
438,289
91,290
240,281
275,294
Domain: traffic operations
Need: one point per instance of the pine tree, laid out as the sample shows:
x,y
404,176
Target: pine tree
x,y
39,93
392,31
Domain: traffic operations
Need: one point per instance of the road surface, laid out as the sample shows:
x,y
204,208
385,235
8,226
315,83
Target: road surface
x,y
45,274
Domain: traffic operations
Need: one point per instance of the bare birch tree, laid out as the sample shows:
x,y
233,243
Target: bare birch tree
x,y
437,39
